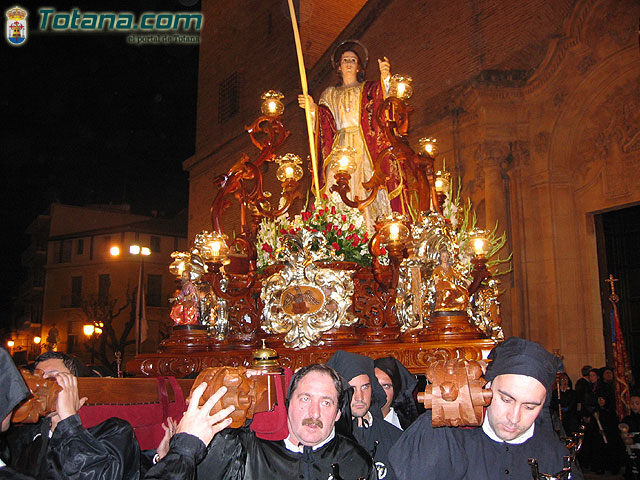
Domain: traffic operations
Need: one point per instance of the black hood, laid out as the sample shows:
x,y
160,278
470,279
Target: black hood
x,y
350,365
404,382
13,389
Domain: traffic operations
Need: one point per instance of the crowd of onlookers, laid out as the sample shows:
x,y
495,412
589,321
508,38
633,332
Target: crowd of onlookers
x,y
608,442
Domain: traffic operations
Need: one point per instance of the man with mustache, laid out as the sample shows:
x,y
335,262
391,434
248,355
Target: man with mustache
x,y
517,426
368,425
309,452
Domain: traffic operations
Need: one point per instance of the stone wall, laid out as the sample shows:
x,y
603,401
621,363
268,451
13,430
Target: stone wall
x,y
535,106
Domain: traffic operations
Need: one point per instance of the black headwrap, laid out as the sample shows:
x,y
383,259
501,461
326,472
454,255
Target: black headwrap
x,y
350,365
524,357
13,389
404,383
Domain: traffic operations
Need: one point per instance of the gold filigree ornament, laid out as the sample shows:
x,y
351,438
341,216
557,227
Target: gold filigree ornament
x,y
416,298
304,300
416,295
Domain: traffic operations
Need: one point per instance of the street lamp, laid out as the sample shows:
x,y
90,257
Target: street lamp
x,y
88,330
141,329
138,250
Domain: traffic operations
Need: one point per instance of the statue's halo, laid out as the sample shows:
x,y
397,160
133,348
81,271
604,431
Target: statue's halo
x,y
353,45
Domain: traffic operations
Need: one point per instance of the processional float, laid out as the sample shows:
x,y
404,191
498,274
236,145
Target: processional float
x,y
416,285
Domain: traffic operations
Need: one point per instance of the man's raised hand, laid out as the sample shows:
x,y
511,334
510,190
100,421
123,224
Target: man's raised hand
x,y
197,420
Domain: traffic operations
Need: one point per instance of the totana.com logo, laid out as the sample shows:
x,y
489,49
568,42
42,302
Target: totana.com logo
x,y
16,31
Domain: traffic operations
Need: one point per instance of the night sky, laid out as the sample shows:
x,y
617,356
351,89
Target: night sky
x,y
89,118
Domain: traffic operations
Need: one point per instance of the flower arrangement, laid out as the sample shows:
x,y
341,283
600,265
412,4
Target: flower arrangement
x,y
344,230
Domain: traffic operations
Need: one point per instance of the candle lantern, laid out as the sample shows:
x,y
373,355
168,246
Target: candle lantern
x,y
400,87
429,146
442,182
342,160
272,105
394,230
289,168
477,243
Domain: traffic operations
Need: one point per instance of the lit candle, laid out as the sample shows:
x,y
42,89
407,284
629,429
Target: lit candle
x,y
478,246
215,248
394,232
343,163
288,172
401,88
272,106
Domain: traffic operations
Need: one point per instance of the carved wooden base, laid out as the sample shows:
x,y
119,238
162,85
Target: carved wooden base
x,y
415,356
187,338
379,334
450,327
341,336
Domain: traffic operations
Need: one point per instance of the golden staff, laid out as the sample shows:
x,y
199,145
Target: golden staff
x,y
305,91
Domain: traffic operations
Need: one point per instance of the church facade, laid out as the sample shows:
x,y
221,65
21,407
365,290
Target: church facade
x,y
535,105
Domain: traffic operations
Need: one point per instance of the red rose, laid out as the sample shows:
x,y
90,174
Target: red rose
x,y
383,251
306,216
356,242
343,217
352,227
267,248
335,246
333,210
283,231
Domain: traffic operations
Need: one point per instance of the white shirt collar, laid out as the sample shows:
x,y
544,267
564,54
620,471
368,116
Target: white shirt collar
x,y
367,420
488,430
392,418
299,448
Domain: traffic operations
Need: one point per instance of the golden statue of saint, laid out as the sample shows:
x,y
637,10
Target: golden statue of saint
x,y
451,287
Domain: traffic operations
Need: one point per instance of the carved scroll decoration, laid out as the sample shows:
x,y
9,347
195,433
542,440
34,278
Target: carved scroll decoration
x,y
303,300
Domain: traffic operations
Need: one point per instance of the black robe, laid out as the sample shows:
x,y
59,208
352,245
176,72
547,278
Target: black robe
x,y
239,454
377,439
379,436
29,443
633,420
180,463
107,451
468,453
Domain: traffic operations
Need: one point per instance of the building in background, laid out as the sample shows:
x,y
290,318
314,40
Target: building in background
x,y
535,107
80,268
